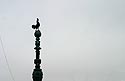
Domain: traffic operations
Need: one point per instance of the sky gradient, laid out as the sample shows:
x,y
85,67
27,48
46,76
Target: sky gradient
x,y
82,40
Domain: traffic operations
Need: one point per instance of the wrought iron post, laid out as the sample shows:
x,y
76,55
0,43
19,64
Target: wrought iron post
x,y
37,72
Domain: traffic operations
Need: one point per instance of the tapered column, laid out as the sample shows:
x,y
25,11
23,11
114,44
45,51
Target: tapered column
x,y
37,72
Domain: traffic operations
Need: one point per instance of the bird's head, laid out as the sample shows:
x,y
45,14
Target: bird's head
x,y
37,20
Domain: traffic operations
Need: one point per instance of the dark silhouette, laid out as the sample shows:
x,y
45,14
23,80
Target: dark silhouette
x,y
37,72
37,25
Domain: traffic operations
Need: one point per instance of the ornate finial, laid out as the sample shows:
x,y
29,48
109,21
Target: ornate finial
x,y
37,24
37,72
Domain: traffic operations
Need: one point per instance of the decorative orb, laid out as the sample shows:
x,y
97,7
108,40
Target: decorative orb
x,y
37,33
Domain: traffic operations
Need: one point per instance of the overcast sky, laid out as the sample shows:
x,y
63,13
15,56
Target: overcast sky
x,y
82,40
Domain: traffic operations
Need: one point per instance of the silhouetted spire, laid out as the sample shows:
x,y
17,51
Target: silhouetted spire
x,y
37,72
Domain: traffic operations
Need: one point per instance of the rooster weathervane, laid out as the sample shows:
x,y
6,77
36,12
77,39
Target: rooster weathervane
x,y
37,24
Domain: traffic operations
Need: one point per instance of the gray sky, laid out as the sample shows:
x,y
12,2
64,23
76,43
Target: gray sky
x,y
83,40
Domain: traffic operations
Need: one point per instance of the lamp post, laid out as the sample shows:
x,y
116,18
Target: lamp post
x,y
37,72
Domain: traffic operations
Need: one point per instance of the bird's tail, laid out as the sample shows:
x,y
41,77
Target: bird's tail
x,y
33,26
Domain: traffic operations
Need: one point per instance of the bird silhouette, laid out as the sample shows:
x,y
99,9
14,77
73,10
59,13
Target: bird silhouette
x,y
37,25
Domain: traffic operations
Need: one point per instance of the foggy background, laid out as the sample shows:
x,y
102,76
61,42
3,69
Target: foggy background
x,y
82,40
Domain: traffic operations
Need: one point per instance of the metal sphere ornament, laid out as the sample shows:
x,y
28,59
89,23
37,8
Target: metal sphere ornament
x,y
37,33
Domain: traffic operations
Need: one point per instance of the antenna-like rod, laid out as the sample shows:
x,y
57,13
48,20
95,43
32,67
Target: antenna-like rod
x,y
37,72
